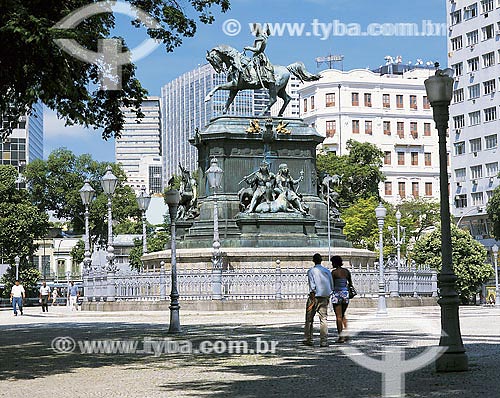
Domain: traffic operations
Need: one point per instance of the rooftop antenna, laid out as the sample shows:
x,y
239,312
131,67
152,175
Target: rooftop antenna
x,y
330,60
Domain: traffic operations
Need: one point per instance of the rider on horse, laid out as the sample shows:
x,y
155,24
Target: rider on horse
x,y
264,68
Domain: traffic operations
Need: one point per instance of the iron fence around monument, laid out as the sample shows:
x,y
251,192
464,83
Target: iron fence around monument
x,y
251,283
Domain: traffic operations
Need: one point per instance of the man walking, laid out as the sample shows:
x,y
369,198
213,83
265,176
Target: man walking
x,y
44,296
17,295
73,296
320,289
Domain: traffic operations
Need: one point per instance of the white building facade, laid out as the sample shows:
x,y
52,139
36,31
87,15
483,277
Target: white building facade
x,y
474,56
388,108
139,148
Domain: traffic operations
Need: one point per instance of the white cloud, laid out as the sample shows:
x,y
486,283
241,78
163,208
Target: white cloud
x,y
55,128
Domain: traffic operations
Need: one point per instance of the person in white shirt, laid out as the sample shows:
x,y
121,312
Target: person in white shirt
x,y
44,296
17,295
54,296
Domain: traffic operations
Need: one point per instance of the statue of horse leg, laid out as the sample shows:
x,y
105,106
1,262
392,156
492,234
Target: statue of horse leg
x,y
286,100
232,95
272,98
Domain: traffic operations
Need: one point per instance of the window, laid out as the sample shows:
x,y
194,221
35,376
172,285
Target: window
x,y
399,101
477,198
470,11
474,91
459,121
489,195
474,118
414,189
387,127
427,129
388,188
387,157
312,102
458,95
458,69
475,145
456,17
401,129
414,158
490,114
460,201
491,141
489,59
402,189
386,100
401,158
473,64
330,99
414,129
368,99
426,103
331,127
476,172
355,99
355,126
428,159
428,189
413,101
472,37
488,32
487,6
459,148
368,127
456,43
489,87
492,169
460,175
305,105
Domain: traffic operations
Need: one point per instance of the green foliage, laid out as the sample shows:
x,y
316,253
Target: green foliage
x,y
128,227
35,69
21,223
156,242
28,276
77,253
360,171
419,215
469,257
361,224
174,183
54,184
493,210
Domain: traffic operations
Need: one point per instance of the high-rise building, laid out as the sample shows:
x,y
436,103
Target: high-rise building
x,y
139,148
25,144
474,56
387,107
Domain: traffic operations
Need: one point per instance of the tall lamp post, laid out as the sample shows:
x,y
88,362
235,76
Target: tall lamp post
x,y
143,200
380,213
172,198
87,194
398,240
439,92
214,176
495,260
108,183
17,259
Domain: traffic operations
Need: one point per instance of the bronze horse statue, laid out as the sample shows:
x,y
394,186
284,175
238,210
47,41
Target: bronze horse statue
x,y
242,75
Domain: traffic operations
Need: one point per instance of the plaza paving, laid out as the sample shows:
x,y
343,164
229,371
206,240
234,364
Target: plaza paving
x,y
29,367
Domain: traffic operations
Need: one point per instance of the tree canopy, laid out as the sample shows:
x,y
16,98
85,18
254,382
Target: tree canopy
x,y
34,68
493,210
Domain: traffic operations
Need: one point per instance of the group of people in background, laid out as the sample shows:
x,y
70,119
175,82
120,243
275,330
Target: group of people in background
x,y
325,286
18,294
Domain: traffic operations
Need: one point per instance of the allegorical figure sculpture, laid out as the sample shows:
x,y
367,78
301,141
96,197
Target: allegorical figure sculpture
x,y
285,182
245,73
262,183
188,203
329,196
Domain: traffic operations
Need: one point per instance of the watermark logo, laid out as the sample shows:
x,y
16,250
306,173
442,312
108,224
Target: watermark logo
x,y
231,27
63,345
109,57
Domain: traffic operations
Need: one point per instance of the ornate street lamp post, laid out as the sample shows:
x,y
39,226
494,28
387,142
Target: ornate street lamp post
x,y
380,213
495,260
398,240
87,194
439,92
143,200
17,259
214,176
172,198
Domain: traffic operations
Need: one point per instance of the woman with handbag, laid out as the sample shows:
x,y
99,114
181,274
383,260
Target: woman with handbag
x,y
343,290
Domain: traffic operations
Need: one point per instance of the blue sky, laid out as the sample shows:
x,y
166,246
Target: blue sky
x,y
323,33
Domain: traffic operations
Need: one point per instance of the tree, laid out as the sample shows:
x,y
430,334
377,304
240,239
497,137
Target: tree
x,y
419,215
469,257
361,224
29,277
360,171
77,253
33,68
54,185
493,210
156,242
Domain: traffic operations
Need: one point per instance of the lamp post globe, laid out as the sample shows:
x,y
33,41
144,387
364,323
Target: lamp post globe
x,y
87,194
143,200
380,213
214,174
109,183
17,260
439,90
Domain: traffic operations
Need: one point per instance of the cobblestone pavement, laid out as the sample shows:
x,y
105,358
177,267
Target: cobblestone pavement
x,y
29,366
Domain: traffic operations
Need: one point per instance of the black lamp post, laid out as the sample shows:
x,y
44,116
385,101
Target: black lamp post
x,y
439,92
172,198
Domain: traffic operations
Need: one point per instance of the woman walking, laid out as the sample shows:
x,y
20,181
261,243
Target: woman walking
x,y
340,297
